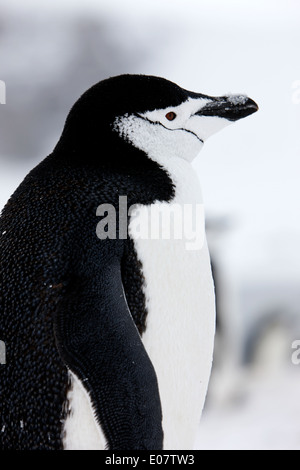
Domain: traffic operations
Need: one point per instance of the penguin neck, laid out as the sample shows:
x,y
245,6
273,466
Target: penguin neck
x,y
173,151
135,175
187,189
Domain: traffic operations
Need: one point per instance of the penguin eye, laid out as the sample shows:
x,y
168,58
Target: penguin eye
x,y
171,116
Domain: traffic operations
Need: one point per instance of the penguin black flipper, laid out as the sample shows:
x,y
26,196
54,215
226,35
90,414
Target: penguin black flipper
x,y
98,340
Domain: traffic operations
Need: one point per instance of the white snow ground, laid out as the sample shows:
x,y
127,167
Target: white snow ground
x,y
266,416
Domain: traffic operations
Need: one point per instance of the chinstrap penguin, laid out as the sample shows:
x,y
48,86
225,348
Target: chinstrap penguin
x,y
109,342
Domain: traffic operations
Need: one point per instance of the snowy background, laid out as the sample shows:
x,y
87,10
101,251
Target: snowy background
x,y
51,52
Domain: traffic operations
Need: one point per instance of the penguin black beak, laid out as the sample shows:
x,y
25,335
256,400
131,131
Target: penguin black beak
x,y
231,107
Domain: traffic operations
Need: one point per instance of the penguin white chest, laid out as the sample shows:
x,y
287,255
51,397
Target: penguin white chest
x,y
180,302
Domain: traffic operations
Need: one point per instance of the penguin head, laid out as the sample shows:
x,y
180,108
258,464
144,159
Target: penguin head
x,y
151,114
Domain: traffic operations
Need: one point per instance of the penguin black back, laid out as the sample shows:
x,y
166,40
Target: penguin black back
x,y
45,228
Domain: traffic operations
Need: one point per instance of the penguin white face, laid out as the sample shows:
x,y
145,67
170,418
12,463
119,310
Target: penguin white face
x,y
185,117
180,131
